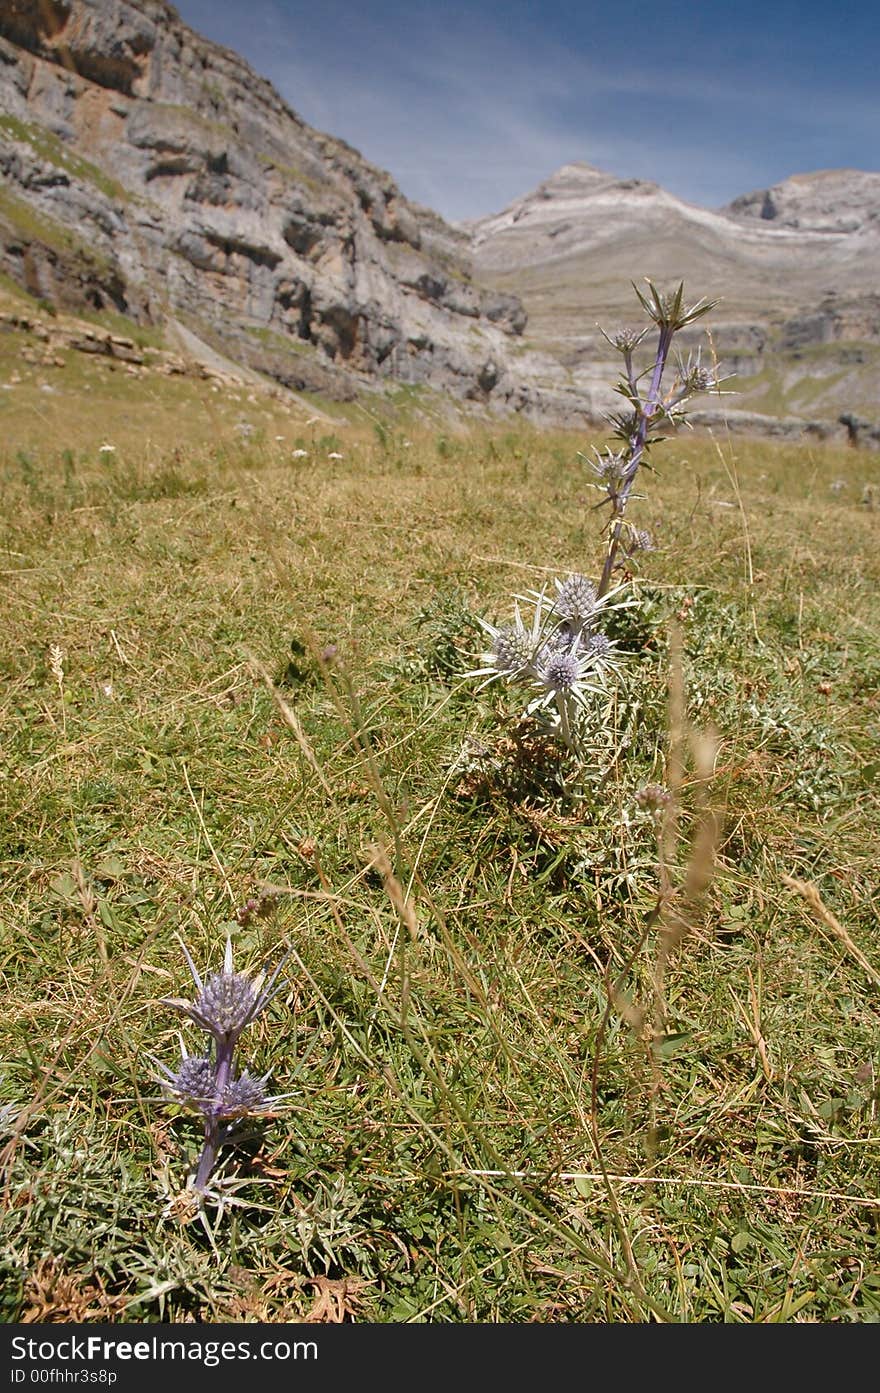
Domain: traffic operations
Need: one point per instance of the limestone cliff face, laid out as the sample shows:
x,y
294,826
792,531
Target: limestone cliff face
x,y
149,170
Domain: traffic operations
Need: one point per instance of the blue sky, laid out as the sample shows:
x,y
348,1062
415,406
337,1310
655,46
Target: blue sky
x,y
470,105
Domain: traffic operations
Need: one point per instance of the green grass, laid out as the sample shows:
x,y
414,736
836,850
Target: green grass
x,y
49,147
158,784
278,342
12,291
38,226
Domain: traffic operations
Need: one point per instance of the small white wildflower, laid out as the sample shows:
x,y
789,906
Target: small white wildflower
x,y
335,455
106,449
300,454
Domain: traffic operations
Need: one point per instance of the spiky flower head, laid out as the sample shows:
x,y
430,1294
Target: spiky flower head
x,y
604,654
227,1001
638,539
564,676
576,600
701,379
513,649
599,646
626,341
194,1083
609,465
559,670
577,609
245,1095
514,646
693,377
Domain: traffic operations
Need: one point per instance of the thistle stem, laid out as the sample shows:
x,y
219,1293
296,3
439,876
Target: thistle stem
x,y
565,722
208,1157
223,1073
645,411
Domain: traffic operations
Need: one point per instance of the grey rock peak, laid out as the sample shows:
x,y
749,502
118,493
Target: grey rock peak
x,y
796,269
829,200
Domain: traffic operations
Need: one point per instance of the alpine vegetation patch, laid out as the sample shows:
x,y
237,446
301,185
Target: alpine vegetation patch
x,y
212,1084
562,657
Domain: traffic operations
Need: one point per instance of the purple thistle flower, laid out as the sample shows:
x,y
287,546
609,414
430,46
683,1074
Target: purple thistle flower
x,y
560,671
512,655
208,1084
226,1005
245,1094
227,1001
564,676
599,646
512,648
194,1084
576,600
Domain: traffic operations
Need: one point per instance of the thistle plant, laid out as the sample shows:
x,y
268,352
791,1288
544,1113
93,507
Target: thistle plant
x,y
639,425
211,1083
562,657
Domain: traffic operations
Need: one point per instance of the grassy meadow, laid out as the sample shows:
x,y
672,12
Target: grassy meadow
x,y
515,1093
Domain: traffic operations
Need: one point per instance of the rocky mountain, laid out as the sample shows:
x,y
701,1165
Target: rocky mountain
x,y
796,269
150,172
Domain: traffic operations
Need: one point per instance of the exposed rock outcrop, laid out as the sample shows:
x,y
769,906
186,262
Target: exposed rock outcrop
x,y
829,200
150,171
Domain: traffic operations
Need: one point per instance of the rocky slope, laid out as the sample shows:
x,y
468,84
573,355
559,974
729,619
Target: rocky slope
x,y
151,172
796,269
831,200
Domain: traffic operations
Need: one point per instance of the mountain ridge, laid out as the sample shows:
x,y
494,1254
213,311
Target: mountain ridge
x,y
793,267
149,171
